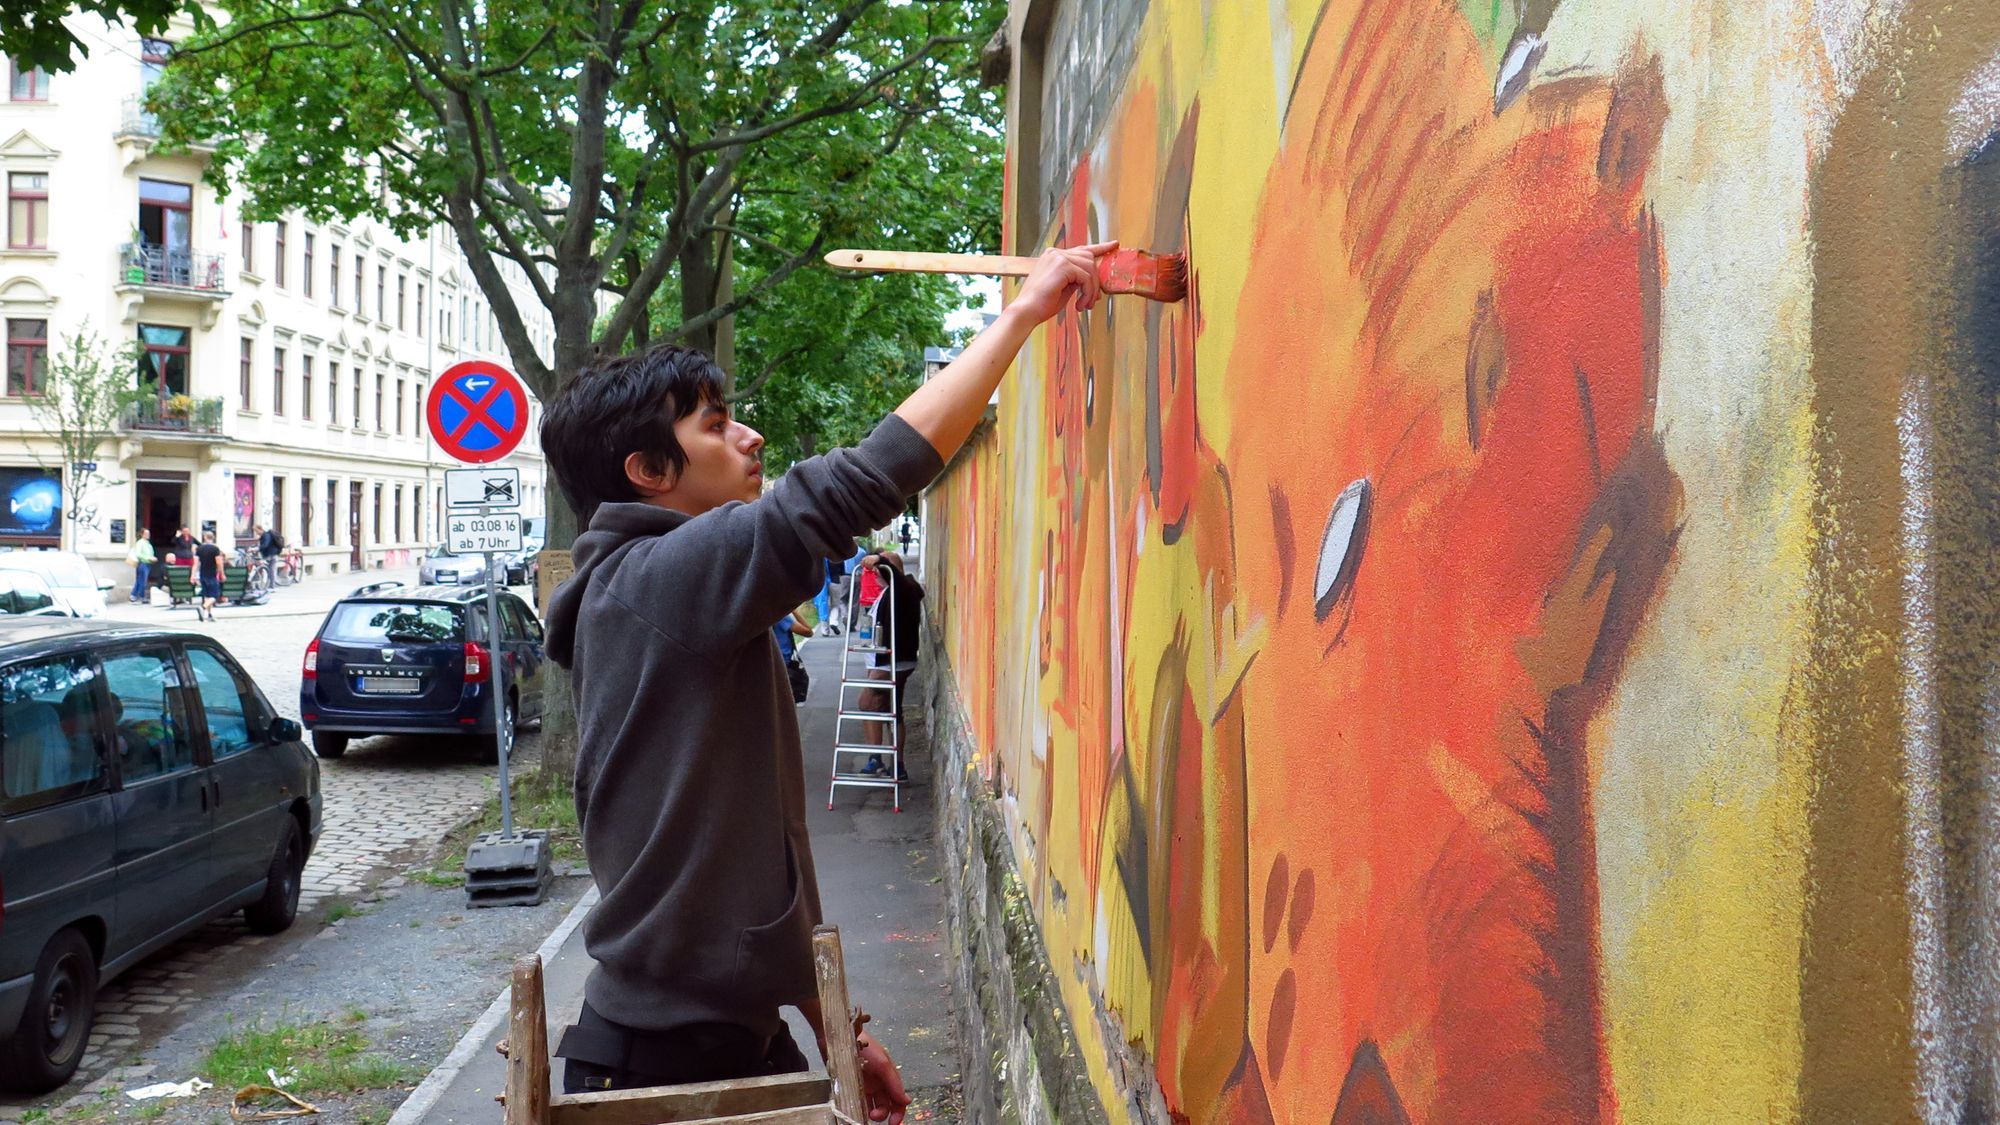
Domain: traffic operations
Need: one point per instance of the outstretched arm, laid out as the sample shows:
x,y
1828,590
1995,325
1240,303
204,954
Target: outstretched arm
x,y
946,409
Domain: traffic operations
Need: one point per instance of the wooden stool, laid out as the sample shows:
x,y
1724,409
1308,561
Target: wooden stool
x,y
784,1099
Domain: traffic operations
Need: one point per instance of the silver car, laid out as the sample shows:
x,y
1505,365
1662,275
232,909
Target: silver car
x,y
442,568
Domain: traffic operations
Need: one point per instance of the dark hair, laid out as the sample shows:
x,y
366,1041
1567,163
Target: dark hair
x,y
620,407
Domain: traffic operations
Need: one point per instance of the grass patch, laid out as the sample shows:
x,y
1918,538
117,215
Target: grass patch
x,y
341,910
436,878
540,801
327,1059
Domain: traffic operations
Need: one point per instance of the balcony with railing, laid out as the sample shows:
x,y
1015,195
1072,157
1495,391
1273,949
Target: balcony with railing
x,y
199,275
136,121
175,414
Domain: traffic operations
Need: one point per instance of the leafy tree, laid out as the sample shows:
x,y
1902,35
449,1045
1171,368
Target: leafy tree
x,y
32,31
85,390
623,151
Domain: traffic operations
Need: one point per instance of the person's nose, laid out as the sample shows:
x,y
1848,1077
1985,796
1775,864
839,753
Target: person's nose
x,y
752,440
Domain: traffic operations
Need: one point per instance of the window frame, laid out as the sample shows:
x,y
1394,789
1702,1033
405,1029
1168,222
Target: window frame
x,y
38,209
246,367
277,381
34,347
278,231
106,776
257,712
38,84
306,386
148,645
306,267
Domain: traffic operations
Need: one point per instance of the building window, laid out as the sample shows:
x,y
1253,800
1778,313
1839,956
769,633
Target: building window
x,y
278,270
278,505
333,276
399,407
333,394
249,246
378,513
153,55
27,356
163,359
306,267
402,292
306,509
462,322
420,308
354,419
399,513
243,370
278,381
359,265
166,231
28,210
381,400
332,528
382,294
306,387
31,84
417,513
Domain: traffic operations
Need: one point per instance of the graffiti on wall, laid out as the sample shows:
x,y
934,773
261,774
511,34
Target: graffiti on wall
x,y
1516,643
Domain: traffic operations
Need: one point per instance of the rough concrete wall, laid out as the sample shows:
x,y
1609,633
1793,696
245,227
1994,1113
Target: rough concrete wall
x,y
1518,642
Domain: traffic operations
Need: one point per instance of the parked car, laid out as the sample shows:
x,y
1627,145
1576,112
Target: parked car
x,y
442,568
523,565
66,573
25,595
418,660
146,787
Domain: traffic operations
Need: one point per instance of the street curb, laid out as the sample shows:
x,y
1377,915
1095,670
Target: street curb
x,y
427,1093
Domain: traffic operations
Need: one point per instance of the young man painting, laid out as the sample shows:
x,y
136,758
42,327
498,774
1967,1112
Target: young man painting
x,y
689,782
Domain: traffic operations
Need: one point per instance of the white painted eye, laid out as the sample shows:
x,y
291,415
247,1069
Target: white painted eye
x,y
1517,68
1340,550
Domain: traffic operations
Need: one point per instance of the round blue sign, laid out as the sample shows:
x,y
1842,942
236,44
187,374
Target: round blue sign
x,y
477,411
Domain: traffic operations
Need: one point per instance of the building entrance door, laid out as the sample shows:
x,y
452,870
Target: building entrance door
x,y
354,560
161,511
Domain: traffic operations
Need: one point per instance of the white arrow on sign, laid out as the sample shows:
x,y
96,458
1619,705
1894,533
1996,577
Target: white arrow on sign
x,y
482,488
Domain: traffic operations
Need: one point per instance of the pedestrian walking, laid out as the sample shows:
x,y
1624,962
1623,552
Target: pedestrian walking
x,y
786,630
208,573
695,828
141,557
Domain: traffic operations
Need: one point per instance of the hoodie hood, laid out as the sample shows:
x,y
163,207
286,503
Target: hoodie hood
x,y
614,526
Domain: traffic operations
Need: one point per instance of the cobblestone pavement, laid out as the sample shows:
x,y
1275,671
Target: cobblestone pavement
x,y
386,800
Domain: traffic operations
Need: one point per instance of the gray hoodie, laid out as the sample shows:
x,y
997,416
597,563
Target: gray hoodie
x,y
689,784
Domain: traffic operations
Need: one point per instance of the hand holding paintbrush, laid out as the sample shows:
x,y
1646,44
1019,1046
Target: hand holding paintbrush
x,y
1158,277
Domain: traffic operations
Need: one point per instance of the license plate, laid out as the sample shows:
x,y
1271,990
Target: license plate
x,y
391,685
447,576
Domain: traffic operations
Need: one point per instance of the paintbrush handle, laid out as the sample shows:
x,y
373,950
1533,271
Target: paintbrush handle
x,y
908,261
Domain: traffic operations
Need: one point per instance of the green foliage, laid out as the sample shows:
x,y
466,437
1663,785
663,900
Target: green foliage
x,y
33,31
324,1058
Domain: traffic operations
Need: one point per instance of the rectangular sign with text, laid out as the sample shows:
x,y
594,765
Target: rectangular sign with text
x,y
472,535
482,488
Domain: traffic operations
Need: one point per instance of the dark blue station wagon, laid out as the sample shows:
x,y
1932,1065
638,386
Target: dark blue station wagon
x,y
146,786
391,659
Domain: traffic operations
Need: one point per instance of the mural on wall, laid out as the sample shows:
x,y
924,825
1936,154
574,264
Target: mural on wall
x,y
1513,644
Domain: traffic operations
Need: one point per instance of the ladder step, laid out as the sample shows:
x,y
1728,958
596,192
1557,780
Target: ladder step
x,y
866,780
868,648
882,715
864,748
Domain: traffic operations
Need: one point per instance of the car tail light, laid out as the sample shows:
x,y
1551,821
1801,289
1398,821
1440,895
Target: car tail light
x,y
476,662
311,668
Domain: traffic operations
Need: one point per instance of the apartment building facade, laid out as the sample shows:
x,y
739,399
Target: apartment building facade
x,y
289,360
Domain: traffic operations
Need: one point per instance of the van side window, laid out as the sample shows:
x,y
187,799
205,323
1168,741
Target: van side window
x,y
236,719
50,744
149,714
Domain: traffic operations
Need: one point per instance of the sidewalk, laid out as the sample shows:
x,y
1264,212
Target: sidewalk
x,y
315,596
879,882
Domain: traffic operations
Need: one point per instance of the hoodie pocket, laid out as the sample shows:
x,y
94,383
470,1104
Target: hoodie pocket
x,y
774,960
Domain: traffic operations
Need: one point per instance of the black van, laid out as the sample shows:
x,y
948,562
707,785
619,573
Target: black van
x,y
146,786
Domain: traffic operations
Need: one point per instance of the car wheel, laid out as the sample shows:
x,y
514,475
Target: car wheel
x,y
273,913
328,744
509,723
55,1028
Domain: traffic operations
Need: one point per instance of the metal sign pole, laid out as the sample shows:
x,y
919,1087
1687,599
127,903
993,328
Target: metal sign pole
x,y
502,736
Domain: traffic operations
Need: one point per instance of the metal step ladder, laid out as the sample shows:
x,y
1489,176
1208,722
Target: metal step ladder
x,y
851,748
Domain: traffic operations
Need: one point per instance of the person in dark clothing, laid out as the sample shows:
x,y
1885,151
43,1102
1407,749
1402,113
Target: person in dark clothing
x,y
208,568
269,546
689,785
184,547
898,624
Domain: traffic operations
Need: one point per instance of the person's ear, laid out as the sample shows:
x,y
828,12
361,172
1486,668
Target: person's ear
x,y
649,474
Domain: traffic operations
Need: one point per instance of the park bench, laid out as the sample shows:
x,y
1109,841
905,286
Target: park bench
x,y
181,587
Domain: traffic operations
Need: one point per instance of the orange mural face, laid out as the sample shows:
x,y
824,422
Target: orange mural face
x,y
1307,601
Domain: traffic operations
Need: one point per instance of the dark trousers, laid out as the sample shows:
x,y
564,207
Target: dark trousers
x,y
599,1054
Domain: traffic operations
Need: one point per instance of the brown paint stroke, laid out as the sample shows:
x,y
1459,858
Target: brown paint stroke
x,y
1878,216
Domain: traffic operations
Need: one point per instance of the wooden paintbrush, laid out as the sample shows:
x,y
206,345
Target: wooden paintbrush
x,y
1158,277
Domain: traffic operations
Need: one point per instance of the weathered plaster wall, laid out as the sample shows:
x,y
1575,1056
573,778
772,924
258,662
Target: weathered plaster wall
x,y
1518,643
